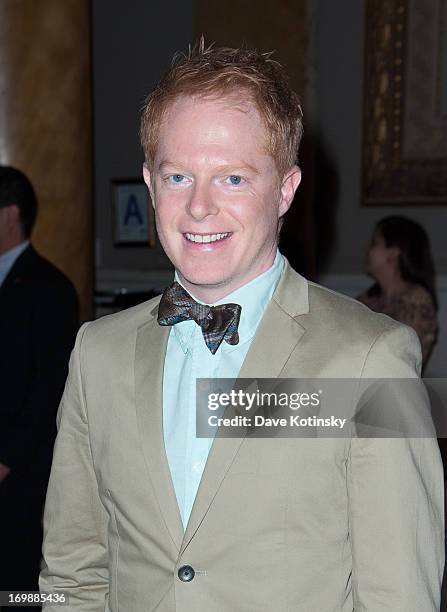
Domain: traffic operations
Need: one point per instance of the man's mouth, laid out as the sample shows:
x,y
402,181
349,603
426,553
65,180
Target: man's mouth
x,y
206,238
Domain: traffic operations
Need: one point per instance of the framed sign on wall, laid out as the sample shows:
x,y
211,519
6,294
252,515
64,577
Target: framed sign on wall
x,y
405,103
133,214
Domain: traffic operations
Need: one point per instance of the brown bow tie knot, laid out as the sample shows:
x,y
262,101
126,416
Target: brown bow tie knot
x,y
218,323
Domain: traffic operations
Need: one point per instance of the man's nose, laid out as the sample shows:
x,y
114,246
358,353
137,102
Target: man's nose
x,y
201,202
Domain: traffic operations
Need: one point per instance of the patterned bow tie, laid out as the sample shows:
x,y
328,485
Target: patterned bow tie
x,y
218,323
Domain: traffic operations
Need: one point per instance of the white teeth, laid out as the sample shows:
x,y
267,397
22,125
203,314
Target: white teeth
x,y
205,238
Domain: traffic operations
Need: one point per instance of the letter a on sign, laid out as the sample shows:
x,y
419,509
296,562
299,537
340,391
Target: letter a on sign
x,y
131,212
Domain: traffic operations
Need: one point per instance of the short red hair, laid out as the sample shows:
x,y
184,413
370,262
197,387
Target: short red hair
x,y
219,71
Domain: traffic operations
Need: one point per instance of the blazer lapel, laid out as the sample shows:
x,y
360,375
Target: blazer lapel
x,y
276,338
20,270
149,362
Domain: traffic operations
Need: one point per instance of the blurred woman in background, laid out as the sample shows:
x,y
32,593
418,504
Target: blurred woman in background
x,y
399,260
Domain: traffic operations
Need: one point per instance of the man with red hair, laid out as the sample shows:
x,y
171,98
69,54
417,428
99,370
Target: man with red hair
x,y
141,513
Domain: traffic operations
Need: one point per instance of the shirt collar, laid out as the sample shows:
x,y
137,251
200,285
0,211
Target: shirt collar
x,y
8,259
252,297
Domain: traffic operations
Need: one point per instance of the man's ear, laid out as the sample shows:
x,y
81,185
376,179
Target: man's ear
x,y
13,216
148,180
289,185
12,222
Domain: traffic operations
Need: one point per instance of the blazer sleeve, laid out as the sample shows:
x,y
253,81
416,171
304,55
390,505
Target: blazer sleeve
x,y
52,331
75,522
396,501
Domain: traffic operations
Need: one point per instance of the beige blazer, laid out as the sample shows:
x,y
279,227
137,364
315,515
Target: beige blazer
x,y
302,525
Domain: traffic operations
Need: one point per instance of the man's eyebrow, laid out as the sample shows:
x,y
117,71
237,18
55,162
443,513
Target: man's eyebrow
x,y
236,167
167,162
229,168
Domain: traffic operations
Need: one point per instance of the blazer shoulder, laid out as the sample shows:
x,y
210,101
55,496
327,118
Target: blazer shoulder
x,y
323,310
33,270
120,324
34,284
345,309
345,335
113,337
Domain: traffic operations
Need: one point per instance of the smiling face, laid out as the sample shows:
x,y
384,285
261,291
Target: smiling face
x,y
217,194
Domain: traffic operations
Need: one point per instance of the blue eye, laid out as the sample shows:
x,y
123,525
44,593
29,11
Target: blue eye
x,y
235,180
177,178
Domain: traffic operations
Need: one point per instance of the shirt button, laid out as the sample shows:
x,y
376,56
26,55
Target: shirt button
x,y
186,573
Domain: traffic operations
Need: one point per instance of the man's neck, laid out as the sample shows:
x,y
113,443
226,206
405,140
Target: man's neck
x,y
10,244
214,293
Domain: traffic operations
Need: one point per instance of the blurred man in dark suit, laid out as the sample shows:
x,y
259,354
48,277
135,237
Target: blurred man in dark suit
x,y
38,323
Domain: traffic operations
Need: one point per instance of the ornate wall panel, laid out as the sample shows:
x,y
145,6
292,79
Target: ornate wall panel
x,y
45,124
405,103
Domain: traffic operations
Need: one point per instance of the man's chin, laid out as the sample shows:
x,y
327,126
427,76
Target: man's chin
x,y
203,281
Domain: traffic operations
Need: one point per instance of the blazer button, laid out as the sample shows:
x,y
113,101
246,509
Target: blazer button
x,y
186,573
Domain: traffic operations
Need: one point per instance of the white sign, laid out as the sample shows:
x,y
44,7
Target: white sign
x,y
134,222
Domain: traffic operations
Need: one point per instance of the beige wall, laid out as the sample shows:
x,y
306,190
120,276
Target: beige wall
x,y
45,125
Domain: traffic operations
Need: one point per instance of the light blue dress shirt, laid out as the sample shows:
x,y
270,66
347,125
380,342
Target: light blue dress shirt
x,y
8,259
188,358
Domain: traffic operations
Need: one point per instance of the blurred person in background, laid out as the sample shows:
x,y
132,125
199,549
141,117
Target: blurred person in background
x,y
38,323
399,259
